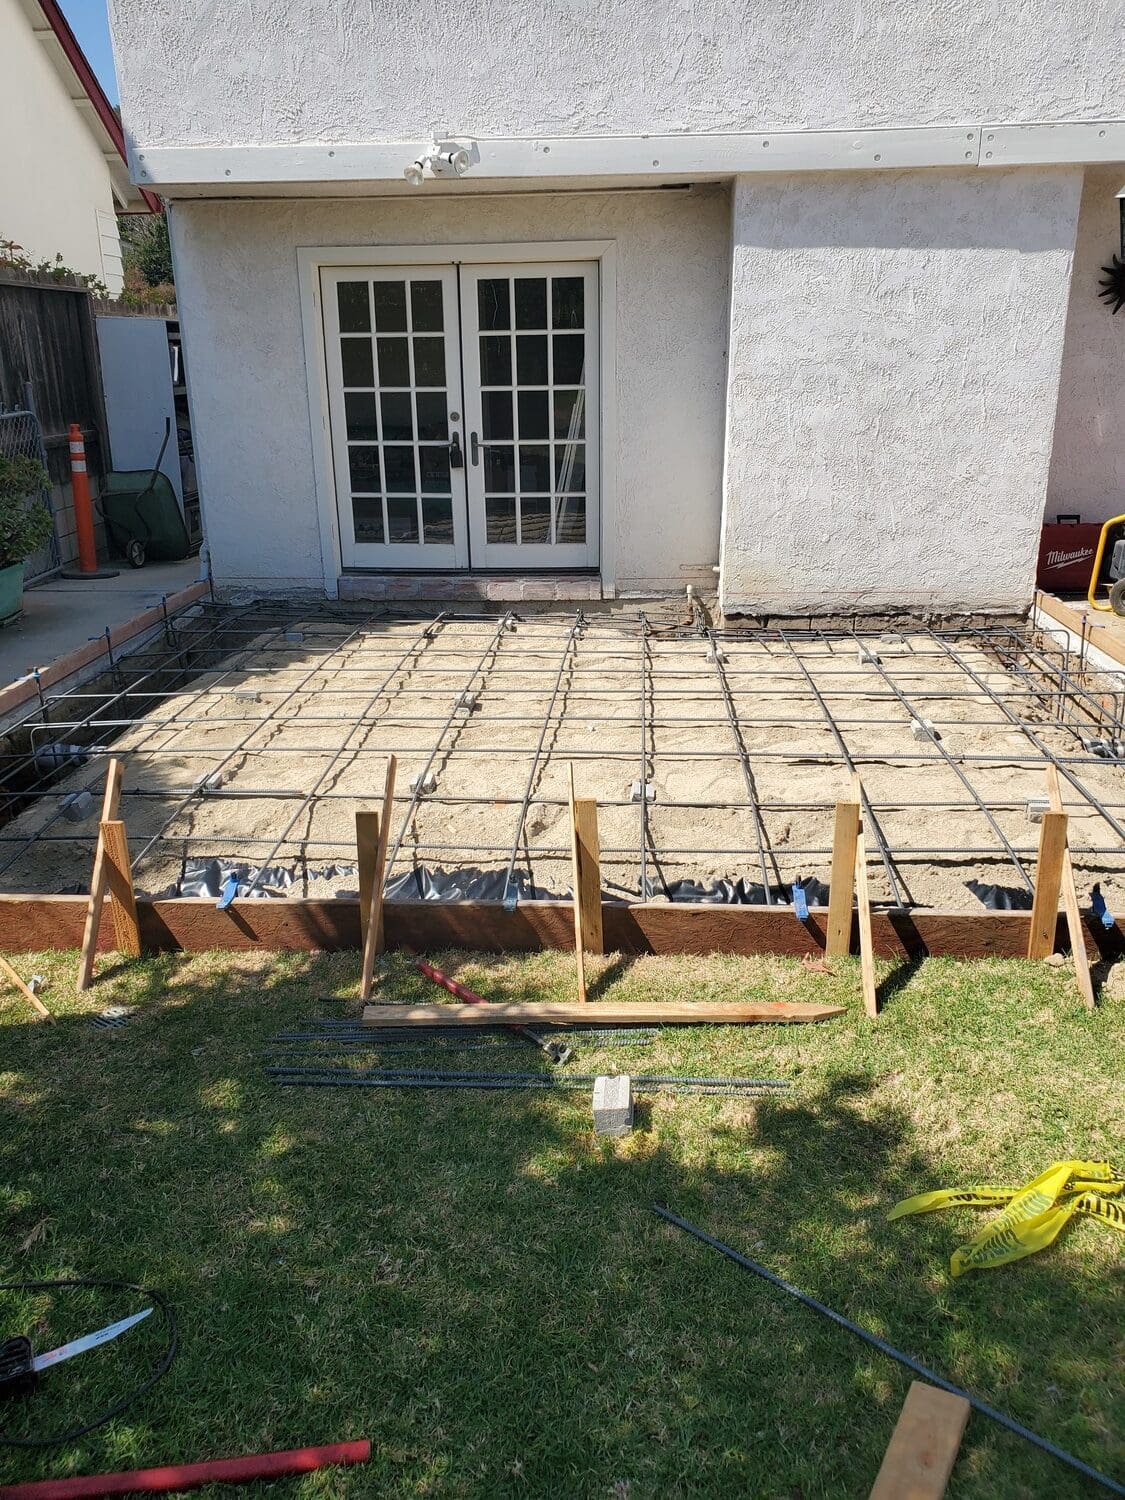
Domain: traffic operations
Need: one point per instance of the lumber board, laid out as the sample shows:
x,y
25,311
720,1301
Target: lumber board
x,y
588,888
863,914
644,1012
1048,879
374,938
1071,907
111,801
924,1445
1085,624
366,843
25,990
841,888
193,924
119,877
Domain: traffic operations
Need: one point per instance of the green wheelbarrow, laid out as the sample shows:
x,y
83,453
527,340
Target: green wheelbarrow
x,y
142,515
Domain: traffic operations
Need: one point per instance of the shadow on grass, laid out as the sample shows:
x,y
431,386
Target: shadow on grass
x,y
478,1284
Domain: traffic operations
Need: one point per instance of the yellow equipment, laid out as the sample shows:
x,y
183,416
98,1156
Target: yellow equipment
x,y
1116,602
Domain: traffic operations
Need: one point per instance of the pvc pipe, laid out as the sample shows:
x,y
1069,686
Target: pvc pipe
x,y
191,1476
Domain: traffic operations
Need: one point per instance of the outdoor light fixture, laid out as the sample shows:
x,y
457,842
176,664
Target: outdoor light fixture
x,y
443,159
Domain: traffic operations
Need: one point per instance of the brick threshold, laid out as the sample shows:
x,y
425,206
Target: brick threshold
x,y
505,588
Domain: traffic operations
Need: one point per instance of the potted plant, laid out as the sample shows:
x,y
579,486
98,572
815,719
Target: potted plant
x,y
25,525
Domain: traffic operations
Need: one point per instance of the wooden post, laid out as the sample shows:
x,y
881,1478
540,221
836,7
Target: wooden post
x,y
367,844
110,802
841,887
863,910
1070,903
119,875
373,936
579,879
25,990
1048,878
924,1445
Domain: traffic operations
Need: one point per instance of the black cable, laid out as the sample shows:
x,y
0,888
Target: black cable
x,y
884,1348
118,1407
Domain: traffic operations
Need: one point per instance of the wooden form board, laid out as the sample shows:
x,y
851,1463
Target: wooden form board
x,y
845,839
98,881
119,876
1048,883
924,1445
371,914
32,923
592,1012
863,914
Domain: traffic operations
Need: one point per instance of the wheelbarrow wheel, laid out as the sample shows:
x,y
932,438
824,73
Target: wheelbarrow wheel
x,y
135,553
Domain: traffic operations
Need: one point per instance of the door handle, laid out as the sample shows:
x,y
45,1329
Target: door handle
x,y
474,453
456,457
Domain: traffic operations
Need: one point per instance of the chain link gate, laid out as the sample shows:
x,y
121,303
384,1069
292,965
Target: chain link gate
x,y
22,437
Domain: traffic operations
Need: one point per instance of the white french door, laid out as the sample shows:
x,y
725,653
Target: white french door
x,y
510,483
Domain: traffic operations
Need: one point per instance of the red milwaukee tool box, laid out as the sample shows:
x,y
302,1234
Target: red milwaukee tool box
x,y
1066,553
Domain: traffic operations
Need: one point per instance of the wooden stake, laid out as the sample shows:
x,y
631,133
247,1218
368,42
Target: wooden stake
x,y
25,990
923,1447
1070,903
1048,878
110,802
588,888
373,937
841,888
367,846
576,886
863,909
119,875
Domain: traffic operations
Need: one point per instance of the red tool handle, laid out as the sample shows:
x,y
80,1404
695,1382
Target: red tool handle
x,y
191,1476
462,991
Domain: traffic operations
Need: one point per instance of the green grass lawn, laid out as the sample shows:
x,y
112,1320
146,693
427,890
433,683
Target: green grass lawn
x,y
477,1283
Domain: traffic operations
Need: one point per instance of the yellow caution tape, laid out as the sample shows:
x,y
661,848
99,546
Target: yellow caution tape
x,y
1032,1216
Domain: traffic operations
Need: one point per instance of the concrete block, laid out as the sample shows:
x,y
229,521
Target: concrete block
x,y
613,1104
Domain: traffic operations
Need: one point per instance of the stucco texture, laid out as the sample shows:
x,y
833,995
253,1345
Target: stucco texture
x,y
894,365
1088,462
236,277
249,71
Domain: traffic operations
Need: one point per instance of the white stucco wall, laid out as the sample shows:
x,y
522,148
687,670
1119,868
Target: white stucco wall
x,y
1088,462
236,279
247,71
53,177
894,366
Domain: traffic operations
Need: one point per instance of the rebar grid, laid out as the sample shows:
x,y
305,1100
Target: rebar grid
x,y
750,787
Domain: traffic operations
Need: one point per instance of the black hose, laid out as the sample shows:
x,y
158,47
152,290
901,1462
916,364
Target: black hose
x,y
884,1348
160,1369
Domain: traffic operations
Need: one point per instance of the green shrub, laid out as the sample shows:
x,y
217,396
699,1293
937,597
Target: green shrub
x,y
25,523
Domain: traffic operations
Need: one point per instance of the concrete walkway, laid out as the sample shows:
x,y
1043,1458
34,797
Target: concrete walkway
x,y
63,613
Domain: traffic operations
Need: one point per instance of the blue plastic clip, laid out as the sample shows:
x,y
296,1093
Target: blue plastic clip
x,y
1098,907
800,905
230,891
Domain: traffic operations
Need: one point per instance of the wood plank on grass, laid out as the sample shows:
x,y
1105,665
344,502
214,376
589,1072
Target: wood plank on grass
x,y
644,1012
863,913
119,875
924,1445
1070,904
841,886
110,802
1048,879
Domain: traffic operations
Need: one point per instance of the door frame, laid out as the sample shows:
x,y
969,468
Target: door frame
x,y
312,258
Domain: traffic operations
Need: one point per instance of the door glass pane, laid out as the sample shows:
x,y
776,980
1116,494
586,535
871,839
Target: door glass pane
x,y
433,465
437,521
398,467
535,519
356,362
390,306
367,518
499,469
432,415
402,518
570,467
567,302
394,361
354,304
425,306
359,416
570,519
496,409
493,303
531,302
570,358
398,423
363,464
500,518
570,414
429,361
535,467
531,359
495,360
533,414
